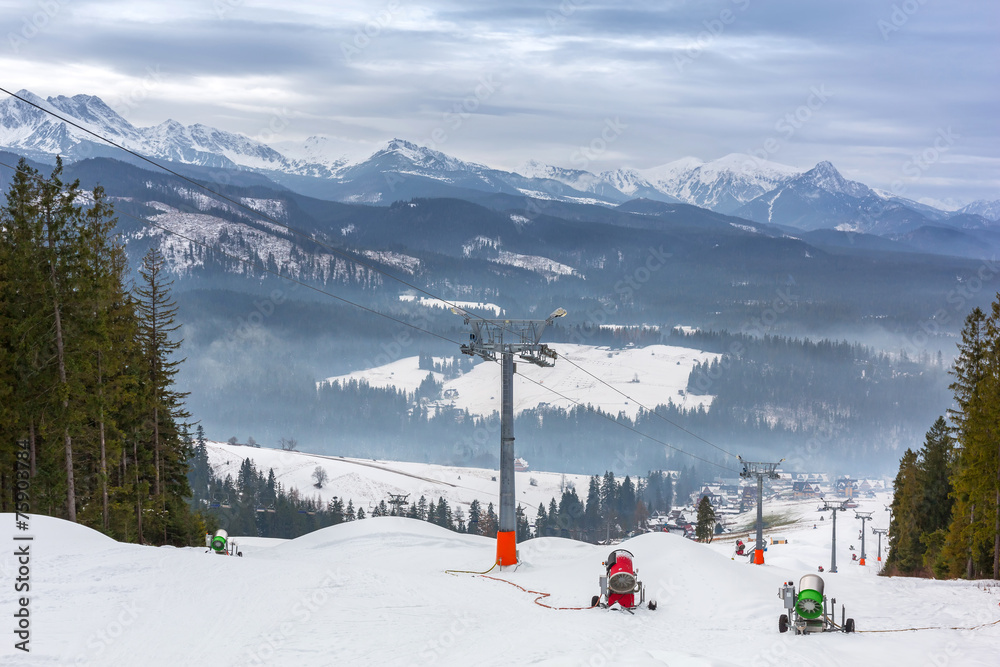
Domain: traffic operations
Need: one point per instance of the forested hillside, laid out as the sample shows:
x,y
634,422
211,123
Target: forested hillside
x,y
91,424
946,508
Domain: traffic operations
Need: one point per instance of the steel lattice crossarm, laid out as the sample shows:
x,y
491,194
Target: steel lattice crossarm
x,y
490,338
759,468
836,507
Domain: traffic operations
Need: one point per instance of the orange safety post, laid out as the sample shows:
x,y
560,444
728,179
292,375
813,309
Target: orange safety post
x,y
758,557
507,548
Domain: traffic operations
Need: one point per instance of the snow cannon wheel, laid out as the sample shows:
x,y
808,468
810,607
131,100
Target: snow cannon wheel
x,y
849,625
651,605
783,623
594,601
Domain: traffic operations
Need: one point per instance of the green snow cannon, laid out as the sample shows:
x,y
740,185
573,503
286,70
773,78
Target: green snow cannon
x,y
219,542
809,602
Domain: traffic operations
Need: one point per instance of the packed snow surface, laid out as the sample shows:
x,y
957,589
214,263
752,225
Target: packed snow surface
x,y
376,592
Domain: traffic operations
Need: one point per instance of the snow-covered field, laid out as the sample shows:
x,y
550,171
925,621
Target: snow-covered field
x,y
367,481
375,592
650,375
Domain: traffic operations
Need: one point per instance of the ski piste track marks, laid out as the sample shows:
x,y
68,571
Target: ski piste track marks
x,y
385,469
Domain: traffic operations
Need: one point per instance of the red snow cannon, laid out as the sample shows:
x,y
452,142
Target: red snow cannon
x,y
621,584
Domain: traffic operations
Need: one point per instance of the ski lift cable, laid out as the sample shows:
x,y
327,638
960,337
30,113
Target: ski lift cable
x,y
263,267
271,219
260,265
615,421
671,422
249,209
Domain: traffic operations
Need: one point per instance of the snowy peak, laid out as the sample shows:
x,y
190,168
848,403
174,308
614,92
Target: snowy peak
x,y
822,198
31,130
424,157
628,181
824,176
984,207
722,185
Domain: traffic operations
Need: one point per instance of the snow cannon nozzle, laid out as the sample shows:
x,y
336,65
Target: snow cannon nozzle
x,y
621,584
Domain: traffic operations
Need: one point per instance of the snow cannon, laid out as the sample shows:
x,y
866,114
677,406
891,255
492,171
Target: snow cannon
x,y
220,542
808,610
809,603
620,584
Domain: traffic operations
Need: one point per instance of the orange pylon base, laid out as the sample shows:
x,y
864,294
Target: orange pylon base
x,y
880,559
507,548
862,561
758,557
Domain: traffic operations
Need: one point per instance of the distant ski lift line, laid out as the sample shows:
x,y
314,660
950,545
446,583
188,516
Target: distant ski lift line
x,y
291,229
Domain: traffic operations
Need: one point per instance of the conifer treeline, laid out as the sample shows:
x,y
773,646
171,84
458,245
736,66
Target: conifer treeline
x,y
613,509
945,518
86,369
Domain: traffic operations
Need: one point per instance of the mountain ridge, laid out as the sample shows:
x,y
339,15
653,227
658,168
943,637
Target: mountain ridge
x,y
398,169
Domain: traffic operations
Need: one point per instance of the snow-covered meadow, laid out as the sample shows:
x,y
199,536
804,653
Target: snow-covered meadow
x,y
650,375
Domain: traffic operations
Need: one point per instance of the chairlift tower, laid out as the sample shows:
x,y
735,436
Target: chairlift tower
x,y
503,338
864,516
880,532
397,501
827,507
760,470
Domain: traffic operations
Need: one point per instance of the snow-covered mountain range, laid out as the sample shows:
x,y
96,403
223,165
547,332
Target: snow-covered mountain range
x,y
736,184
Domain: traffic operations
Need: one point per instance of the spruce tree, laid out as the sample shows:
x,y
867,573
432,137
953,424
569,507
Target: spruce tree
x,y
164,405
905,549
705,529
934,470
541,519
475,518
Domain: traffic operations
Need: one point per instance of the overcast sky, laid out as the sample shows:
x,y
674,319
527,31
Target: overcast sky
x,y
900,94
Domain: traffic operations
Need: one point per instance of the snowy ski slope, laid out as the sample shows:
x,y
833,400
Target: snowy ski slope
x,y
375,592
